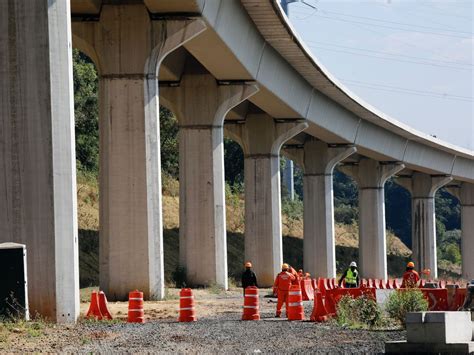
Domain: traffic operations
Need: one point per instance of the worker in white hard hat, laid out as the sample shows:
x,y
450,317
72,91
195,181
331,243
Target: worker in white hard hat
x,y
350,276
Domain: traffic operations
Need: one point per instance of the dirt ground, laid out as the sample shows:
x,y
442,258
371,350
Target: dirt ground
x,y
218,330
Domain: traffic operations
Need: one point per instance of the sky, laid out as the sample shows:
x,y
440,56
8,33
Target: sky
x,y
412,59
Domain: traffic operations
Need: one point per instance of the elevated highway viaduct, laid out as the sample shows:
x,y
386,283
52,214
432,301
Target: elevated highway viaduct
x,y
224,67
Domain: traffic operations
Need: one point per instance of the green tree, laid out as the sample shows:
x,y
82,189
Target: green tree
x,y
86,112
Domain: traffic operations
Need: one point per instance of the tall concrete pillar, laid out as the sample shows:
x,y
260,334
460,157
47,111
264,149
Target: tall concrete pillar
x,y
261,138
289,179
37,151
318,160
465,195
128,48
201,105
371,176
423,189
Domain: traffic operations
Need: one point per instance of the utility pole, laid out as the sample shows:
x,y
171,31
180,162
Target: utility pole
x,y
288,170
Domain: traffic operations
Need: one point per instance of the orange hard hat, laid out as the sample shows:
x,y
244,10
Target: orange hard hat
x,y
411,264
248,264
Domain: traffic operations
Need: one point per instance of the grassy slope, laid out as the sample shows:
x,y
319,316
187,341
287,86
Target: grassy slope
x,y
346,236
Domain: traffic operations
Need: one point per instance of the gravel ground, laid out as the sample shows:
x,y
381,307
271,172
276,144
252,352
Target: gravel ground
x,y
222,332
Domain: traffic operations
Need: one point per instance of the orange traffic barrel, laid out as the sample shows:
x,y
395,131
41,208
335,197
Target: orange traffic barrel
x,y
295,303
320,314
251,309
94,308
103,306
186,306
136,314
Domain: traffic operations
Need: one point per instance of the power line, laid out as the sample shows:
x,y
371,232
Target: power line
x,y
403,90
396,23
390,27
387,53
392,59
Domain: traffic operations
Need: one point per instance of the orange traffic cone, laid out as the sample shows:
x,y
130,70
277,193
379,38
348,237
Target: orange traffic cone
x,y
104,310
320,314
136,314
186,306
251,304
295,303
94,309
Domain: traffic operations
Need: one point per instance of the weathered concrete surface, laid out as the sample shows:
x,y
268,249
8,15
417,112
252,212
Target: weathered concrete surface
x,y
128,49
37,151
261,138
371,177
200,105
423,189
318,159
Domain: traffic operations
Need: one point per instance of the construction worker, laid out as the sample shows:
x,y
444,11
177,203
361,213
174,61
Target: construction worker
x,y
300,274
248,276
292,271
282,286
350,276
410,277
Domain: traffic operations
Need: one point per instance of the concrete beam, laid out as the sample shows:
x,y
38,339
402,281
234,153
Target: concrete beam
x,y
261,138
201,104
423,189
371,176
131,231
37,151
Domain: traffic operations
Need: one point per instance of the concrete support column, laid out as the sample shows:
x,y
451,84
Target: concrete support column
x,y
423,189
129,49
37,151
319,251
371,176
465,195
261,138
201,105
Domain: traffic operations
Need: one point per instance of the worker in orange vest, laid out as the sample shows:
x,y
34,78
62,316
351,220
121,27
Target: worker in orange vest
x,y
300,274
292,271
282,287
411,276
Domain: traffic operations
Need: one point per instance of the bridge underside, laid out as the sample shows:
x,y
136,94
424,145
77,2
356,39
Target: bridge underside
x,y
208,63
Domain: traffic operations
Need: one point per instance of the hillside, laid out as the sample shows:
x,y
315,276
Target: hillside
x,y
346,235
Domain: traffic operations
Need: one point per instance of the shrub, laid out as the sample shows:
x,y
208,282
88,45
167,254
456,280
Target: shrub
x,y
401,302
359,312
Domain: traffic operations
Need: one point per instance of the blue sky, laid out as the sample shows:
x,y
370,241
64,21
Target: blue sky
x,y
412,59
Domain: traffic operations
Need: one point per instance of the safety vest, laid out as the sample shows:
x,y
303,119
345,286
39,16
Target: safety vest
x,y
351,277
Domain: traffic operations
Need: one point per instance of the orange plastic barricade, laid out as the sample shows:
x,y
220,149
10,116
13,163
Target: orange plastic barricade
x,y
295,309
251,309
319,314
459,298
382,285
186,306
136,314
322,286
437,298
307,290
103,306
332,283
330,303
314,282
94,308
395,284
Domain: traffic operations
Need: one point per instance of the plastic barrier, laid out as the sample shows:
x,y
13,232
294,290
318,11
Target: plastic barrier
x,y
94,308
186,306
136,314
314,282
103,306
319,314
332,283
459,298
388,285
442,284
251,308
395,284
322,286
382,285
295,309
307,290
437,298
